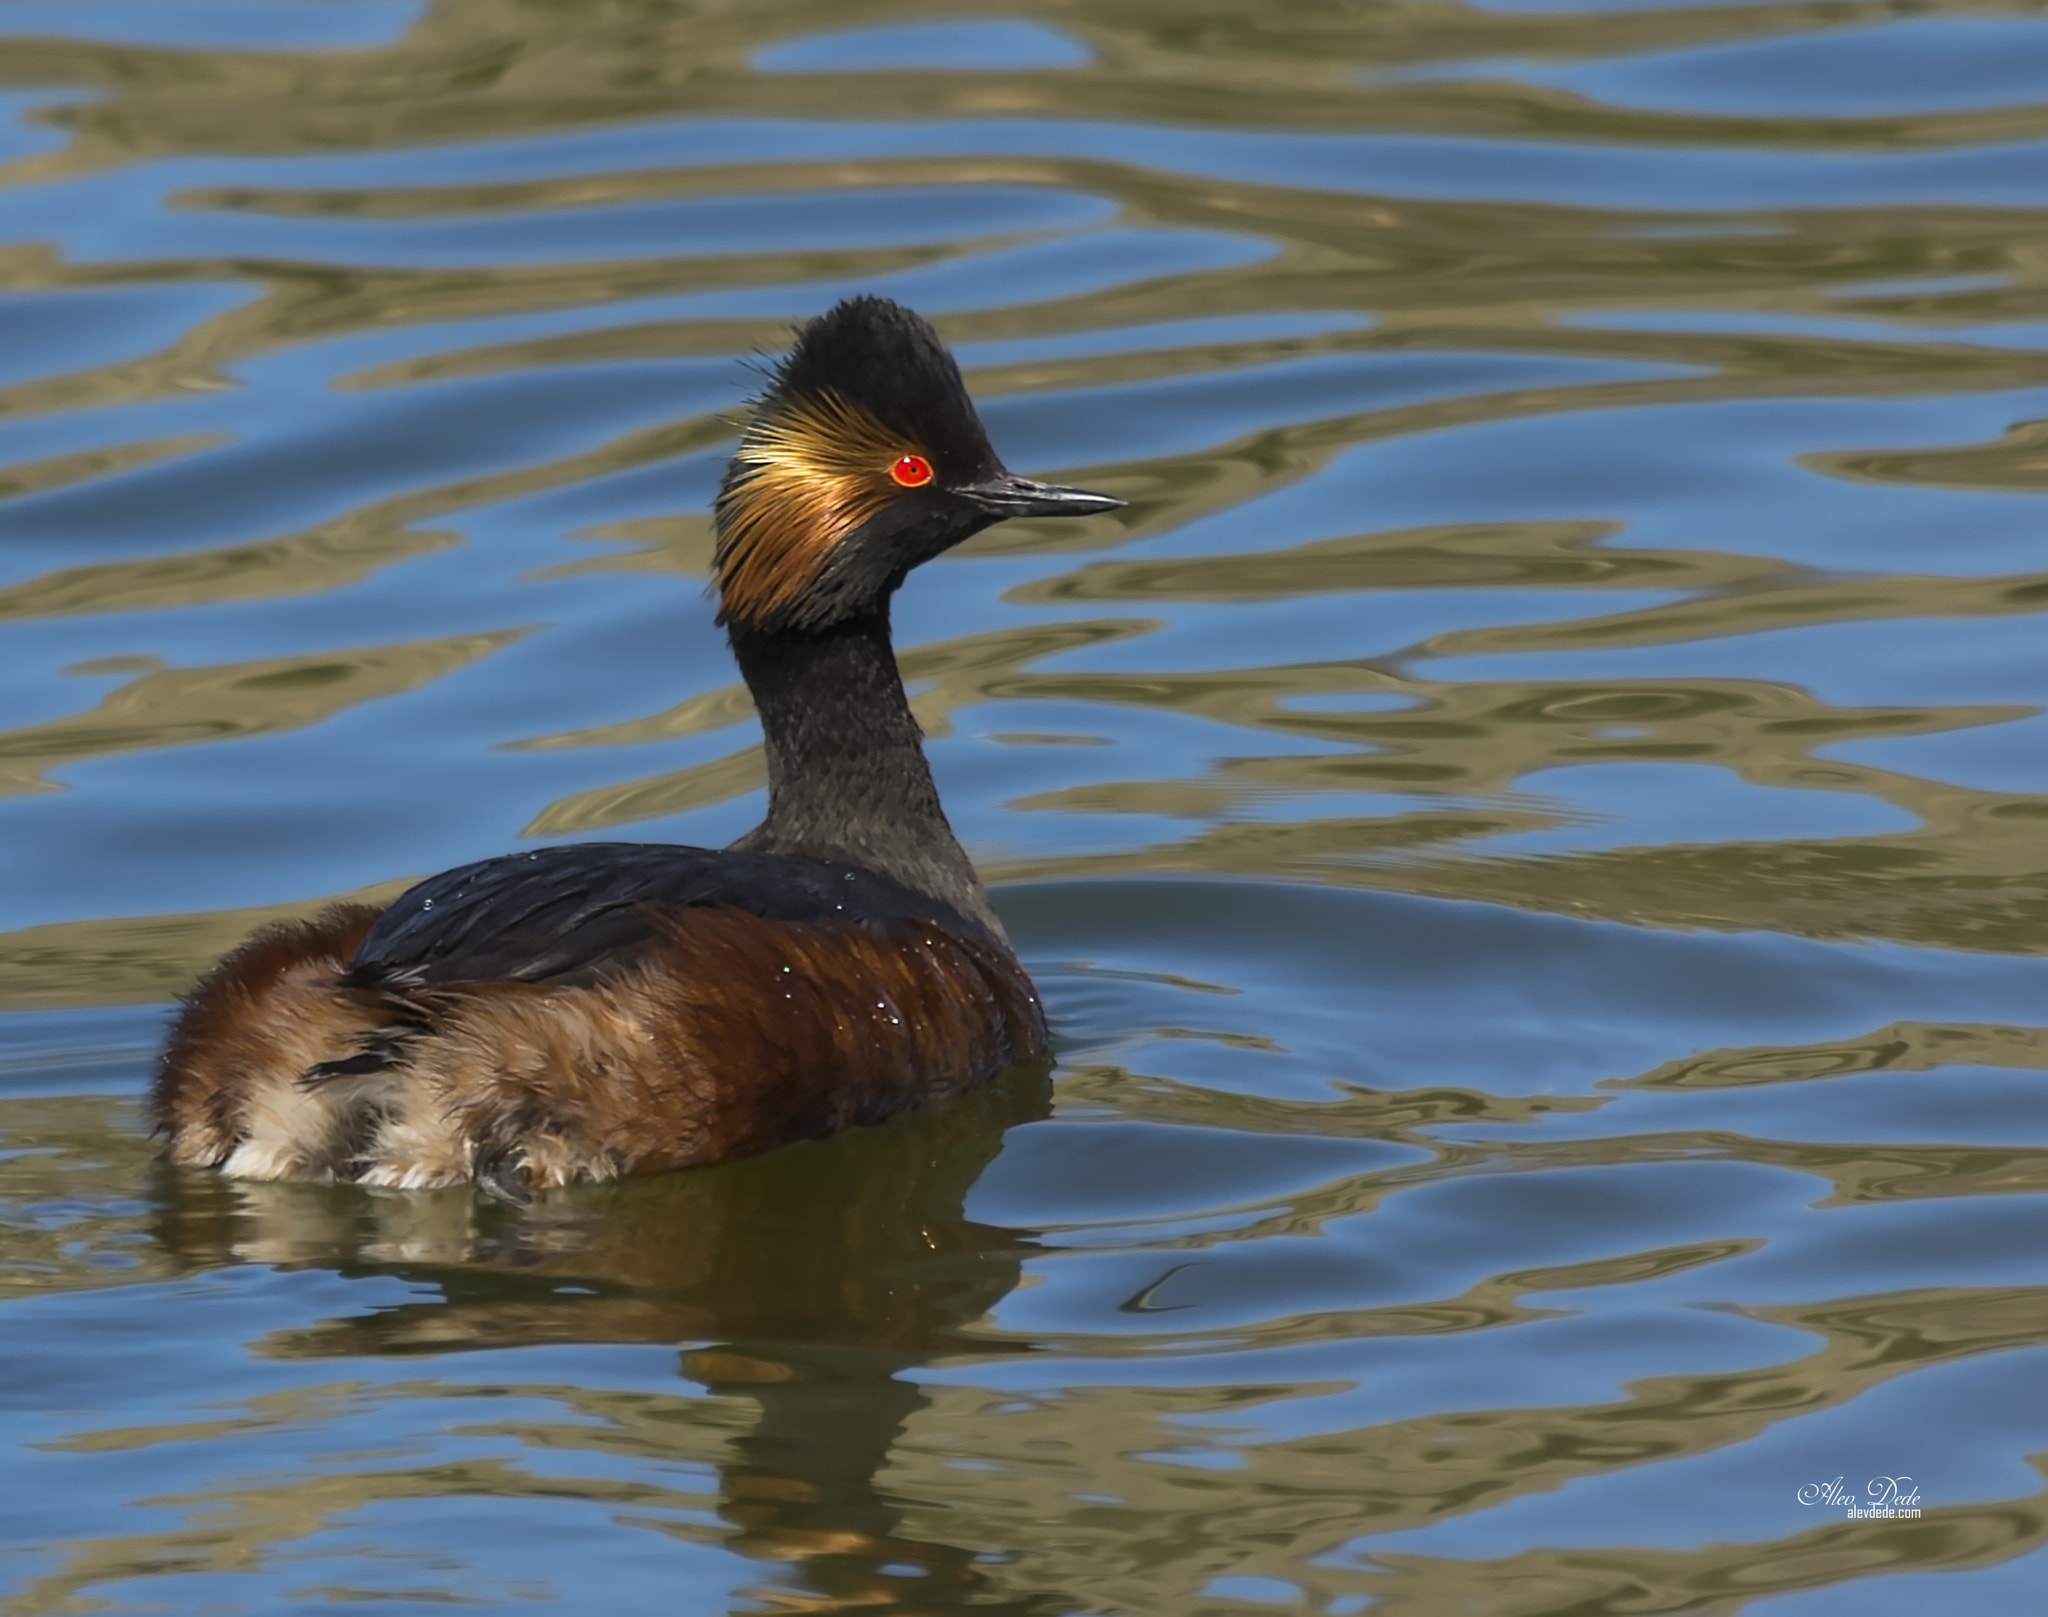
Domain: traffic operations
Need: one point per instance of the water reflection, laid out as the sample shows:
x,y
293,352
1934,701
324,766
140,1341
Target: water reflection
x,y
1579,588
870,1406
815,1280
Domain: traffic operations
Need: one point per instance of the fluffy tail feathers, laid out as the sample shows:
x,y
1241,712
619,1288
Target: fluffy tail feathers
x,y
263,1074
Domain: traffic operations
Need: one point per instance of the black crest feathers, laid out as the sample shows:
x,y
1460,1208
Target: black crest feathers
x,y
888,362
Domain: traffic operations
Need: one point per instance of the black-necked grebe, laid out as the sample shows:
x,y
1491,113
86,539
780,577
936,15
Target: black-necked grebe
x,y
606,1009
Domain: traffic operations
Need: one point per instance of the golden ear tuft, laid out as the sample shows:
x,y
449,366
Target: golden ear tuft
x,y
803,478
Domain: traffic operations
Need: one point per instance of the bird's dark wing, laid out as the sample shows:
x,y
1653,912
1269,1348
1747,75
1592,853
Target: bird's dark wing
x,y
576,914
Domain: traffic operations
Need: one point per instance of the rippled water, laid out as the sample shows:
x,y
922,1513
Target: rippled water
x,y
1532,826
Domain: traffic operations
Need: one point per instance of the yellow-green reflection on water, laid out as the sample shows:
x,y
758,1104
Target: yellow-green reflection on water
x,y
831,1272
1529,823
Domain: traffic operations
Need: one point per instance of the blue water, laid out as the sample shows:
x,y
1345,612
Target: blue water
x,y
1530,825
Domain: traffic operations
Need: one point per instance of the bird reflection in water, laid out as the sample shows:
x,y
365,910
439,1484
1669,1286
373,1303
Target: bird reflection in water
x,y
807,1281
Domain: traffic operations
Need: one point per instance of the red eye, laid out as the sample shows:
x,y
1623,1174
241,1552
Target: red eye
x,y
912,471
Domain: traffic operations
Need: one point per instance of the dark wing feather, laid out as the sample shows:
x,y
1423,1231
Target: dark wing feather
x,y
574,915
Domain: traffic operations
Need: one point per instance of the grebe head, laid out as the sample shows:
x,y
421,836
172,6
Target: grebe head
x,y
864,457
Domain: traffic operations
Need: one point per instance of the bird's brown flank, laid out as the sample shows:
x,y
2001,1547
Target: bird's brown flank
x,y
733,1035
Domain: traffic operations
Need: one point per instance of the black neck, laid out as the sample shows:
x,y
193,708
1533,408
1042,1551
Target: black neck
x,y
847,778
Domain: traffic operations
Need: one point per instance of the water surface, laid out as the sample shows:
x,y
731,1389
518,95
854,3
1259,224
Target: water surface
x,y
1530,824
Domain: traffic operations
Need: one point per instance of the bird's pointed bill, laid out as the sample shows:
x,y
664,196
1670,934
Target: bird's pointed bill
x,y
1009,496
